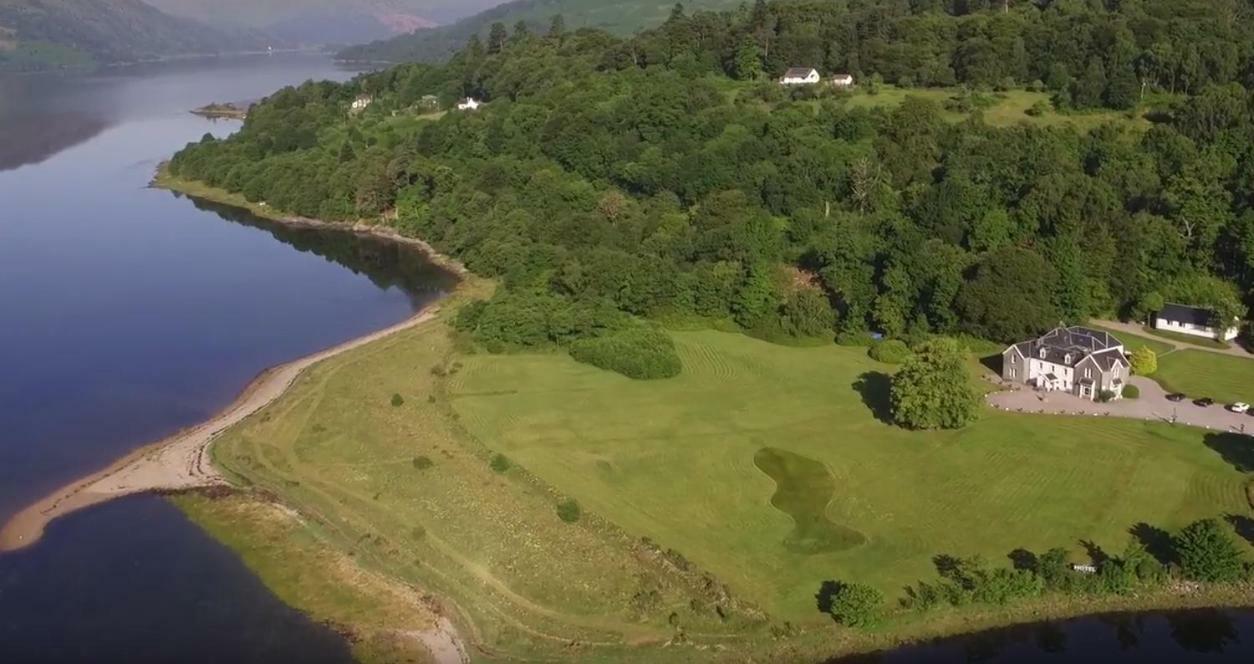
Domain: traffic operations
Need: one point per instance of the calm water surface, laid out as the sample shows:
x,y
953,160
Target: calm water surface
x,y
127,313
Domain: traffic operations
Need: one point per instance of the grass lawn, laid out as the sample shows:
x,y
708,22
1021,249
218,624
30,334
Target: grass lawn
x,y
1132,342
1010,109
681,461
1200,373
409,495
1187,338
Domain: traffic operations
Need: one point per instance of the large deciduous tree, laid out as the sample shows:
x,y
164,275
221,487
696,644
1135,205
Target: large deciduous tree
x,y
933,390
1010,296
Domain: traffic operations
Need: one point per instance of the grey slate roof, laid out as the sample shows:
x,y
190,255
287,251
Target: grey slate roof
x,y
1183,313
1079,343
798,72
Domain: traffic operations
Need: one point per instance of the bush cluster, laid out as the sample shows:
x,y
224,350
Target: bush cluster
x,y
641,352
890,351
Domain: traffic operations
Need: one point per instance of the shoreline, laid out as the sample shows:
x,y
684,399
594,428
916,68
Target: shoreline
x,y
181,460
196,190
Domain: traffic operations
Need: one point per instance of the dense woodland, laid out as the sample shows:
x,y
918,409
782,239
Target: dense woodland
x,y
667,176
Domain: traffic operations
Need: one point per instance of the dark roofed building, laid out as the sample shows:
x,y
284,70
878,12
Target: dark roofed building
x,y
1079,360
1195,321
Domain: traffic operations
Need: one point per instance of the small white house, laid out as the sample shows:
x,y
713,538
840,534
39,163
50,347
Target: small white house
x,y
469,104
1194,321
800,76
843,80
361,103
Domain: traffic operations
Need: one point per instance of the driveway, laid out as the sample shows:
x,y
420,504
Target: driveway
x,y
1135,330
1153,405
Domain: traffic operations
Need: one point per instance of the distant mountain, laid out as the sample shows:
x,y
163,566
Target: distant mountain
x,y
40,34
325,21
620,17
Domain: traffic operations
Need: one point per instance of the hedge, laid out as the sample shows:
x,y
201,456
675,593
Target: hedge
x,y
642,353
890,351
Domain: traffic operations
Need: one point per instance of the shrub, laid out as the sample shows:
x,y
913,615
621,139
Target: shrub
x,y
423,462
1144,362
856,605
642,353
397,400
1038,109
1131,392
890,351
860,338
1105,396
500,463
1207,552
568,510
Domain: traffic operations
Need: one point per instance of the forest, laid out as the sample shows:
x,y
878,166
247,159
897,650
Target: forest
x,y
667,176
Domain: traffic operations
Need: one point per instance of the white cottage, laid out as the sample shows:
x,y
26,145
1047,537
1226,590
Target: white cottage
x,y
800,76
469,104
843,80
361,103
1194,321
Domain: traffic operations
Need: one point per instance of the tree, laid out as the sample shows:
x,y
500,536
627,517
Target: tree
x,y
557,27
807,313
1010,297
498,35
856,605
748,63
1087,91
1208,552
933,389
1144,361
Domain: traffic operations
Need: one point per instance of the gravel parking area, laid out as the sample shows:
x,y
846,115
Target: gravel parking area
x,y
1152,405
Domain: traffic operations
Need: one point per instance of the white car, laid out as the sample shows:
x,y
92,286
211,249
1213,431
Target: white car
x,y
1239,407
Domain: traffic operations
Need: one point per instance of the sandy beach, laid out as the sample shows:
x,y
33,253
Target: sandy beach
x,y
180,461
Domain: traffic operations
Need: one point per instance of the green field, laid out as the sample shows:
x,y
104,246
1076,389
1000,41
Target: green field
x,y
409,495
715,503
675,460
1009,109
1187,339
1131,342
1200,373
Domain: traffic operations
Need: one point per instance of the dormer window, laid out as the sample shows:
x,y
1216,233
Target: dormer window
x,y
1042,353
1066,359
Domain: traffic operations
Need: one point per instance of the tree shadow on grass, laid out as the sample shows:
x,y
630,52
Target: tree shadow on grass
x,y
1157,542
875,388
1244,526
1023,559
827,591
1095,552
1236,449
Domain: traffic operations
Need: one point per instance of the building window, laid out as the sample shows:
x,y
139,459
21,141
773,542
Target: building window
x,y
1042,353
1066,359
1014,373
1088,372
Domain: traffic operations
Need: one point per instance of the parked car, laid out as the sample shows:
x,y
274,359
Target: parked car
x,y
1204,402
1240,407
1175,396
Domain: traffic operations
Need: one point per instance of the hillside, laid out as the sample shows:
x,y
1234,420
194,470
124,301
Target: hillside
x,y
620,17
40,34
325,21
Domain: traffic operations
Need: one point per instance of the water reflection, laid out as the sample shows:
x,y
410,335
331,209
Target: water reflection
x,y
385,263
